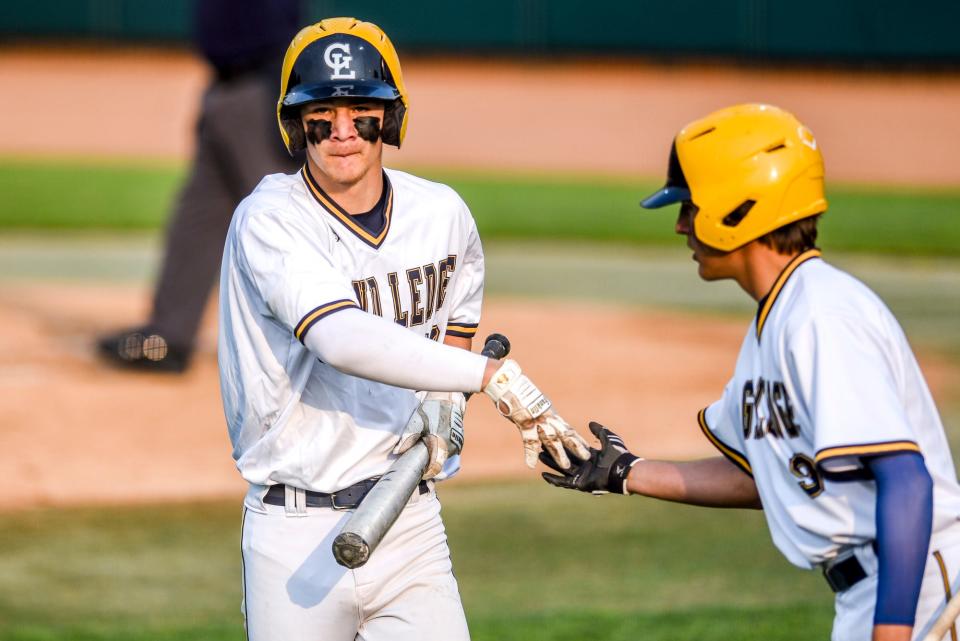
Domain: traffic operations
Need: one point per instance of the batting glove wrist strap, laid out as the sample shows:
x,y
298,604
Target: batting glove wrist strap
x,y
438,422
515,395
605,470
619,471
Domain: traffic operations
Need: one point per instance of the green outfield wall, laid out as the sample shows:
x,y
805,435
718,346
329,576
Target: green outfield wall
x,y
922,32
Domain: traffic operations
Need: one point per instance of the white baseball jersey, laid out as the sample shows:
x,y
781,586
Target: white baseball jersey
x,y
293,257
824,377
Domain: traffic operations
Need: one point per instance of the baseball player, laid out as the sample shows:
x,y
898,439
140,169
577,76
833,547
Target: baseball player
x,y
827,424
344,288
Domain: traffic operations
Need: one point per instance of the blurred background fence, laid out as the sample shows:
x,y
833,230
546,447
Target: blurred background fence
x,y
848,32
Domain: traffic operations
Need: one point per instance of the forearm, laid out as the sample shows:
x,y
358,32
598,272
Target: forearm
x,y
467,344
892,632
458,341
713,482
371,347
904,518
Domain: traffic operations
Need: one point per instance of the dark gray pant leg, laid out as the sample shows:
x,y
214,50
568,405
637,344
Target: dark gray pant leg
x,y
238,143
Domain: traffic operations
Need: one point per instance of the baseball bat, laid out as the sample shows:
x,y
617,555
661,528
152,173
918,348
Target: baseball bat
x,y
943,623
364,530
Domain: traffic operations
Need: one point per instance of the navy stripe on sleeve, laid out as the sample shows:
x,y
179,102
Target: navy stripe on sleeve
x,y
310,318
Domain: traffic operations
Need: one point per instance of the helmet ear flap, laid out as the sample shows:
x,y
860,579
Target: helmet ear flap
x,y
295,135
392,123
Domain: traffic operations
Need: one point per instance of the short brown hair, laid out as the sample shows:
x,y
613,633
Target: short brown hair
x,y
795,238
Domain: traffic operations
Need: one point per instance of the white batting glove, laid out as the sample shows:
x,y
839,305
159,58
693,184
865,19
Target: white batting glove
x,y
438,421
519,400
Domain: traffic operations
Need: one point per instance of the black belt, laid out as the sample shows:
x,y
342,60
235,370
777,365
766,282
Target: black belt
x,y
346,499
844,574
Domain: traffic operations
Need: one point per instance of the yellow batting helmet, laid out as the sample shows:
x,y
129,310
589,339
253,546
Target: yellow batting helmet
x,y
749,169
341,58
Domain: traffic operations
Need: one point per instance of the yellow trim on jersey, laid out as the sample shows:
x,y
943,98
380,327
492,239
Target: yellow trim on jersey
x,y
778,285
867,449
307,321
464,330
736,457
946,588
340,214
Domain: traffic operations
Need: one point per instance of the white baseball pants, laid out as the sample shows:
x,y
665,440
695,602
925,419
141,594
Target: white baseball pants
x,y
294,590
941,579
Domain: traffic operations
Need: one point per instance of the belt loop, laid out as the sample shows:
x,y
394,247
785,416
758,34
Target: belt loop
x,y
294,501
301,495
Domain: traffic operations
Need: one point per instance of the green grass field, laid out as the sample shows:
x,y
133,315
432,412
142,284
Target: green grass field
x,y
77,195
533,563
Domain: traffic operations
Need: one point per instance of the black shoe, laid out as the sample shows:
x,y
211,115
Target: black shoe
x,y
142,349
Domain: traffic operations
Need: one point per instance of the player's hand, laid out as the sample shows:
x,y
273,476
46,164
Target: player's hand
x,y
606,469
438,421
519,400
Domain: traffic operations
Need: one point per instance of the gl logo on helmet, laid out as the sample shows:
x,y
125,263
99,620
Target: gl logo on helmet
x,y
336,60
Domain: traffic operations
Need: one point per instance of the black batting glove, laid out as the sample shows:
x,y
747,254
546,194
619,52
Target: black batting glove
x,y
605,471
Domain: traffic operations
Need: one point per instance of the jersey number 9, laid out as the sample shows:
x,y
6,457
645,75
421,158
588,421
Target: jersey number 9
x,y
805,469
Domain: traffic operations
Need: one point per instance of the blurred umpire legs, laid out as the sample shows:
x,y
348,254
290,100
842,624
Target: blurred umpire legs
x,y
237,145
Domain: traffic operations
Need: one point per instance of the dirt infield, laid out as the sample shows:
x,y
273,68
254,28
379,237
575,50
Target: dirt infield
x,y
74,431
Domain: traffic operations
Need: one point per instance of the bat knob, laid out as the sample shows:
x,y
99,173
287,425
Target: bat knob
x,y
497,345
350,550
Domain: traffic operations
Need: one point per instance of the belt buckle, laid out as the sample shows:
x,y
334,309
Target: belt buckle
x,y
338,508
834,586
844,571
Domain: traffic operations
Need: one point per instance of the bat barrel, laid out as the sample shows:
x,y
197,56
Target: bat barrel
x,y
350,550
382,505
362,533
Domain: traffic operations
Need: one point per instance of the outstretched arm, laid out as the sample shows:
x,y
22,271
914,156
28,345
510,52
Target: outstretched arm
x,y
371,347
713,482
374,348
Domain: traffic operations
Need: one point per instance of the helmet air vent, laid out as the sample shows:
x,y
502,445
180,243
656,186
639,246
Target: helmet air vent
x,y
733,218
776,147
703,133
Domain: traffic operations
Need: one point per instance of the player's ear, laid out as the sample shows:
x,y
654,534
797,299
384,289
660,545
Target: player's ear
x,y
393,123
296,132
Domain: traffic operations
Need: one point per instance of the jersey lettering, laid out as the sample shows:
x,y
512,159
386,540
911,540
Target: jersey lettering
x,y
748,407
374,296
782,410
360,289
765,408
368,295
400,316
414,279
446,267
760,420
434,278
430,277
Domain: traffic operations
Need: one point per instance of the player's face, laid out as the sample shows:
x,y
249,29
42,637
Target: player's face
x,y
713,264
343,141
